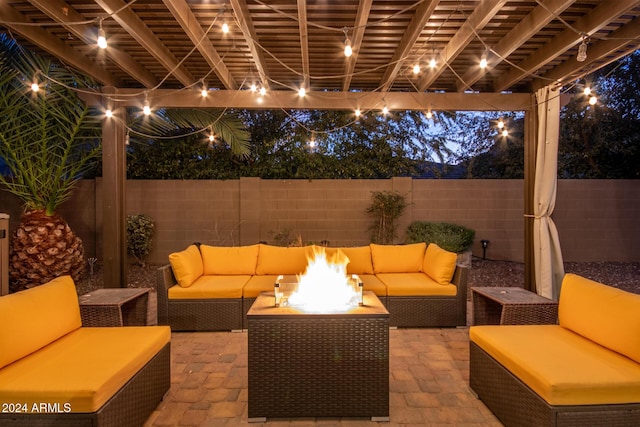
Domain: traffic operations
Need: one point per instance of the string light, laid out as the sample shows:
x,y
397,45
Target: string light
x,y
204,92
357,112
587,91
505,133
102,38
385,110
312,141
348,50
127,139
212,136
253,88
500,124
593,100
302,92
483,62
35,87
263,91
429,115
582,50
416,69
146,110
433,63
225,28
108,113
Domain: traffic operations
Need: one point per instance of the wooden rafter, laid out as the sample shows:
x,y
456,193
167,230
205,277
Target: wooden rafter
x,y
304,41
61,11
599,52
245,22
359,27
415,27
598,18
186,18
476,21
53,45
540,16
136,27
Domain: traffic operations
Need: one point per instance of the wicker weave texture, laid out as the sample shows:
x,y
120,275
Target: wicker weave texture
x,y
318,367
492,311
129,407
131,313
515,404
205,314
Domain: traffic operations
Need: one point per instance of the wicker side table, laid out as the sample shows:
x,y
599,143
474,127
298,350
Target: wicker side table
x,y
115,307
511,306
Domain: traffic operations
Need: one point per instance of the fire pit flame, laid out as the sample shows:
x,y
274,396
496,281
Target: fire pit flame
x,y
325,286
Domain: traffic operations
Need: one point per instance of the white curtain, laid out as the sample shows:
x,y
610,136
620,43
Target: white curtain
x,y
549,269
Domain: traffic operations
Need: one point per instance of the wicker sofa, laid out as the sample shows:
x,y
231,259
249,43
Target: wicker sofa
x,y
212,288
584,371
56,371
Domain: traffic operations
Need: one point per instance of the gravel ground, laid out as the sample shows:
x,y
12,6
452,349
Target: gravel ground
x,y
624,275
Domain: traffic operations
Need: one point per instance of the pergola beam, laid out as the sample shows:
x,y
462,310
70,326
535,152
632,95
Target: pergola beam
x,y
595,20
366,101
53,45
523,31
189,23
467,32
304,41
136,27
409,38
245,23
60,11
359,27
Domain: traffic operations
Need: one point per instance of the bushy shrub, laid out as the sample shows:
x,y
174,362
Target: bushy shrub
x,y
139,231
451,237
385,209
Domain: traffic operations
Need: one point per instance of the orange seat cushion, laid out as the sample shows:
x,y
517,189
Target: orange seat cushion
x,y
211,287
561,366
259,284
370,282
83,369
414,284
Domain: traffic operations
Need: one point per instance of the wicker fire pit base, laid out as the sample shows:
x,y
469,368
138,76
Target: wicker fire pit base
x,y
318,365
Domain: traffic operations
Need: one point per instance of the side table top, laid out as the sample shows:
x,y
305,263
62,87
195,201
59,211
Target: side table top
x,y
111,296
511,295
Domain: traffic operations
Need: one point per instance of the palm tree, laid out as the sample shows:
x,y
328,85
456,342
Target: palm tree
x,y
48,139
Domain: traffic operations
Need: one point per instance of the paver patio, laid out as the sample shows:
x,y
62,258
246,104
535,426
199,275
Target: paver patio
x,y
429,372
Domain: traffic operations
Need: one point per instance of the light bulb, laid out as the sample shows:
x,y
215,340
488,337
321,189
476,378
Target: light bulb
x,y
102,39
212,138
302,92
108,113
35,86
505,133
225,27
582,51
146,110
483,63
429,115
253,87
204,92
432,63
500,124
593,100
587,91
385,110
416,69
348,50
358,112
263,91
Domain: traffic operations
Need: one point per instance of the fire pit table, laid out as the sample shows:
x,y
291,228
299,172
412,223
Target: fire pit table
x,y
318,365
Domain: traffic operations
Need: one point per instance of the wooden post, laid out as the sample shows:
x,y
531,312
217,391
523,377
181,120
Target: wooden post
x,y
4,254
114,226
530,147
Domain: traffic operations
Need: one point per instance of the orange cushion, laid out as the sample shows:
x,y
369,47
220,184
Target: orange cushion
x,y
229,260
371,283
280,260
397,258
83,369
211,287
439,264
561,366
258,284
31,319
606,315
414,284
186,265
359,260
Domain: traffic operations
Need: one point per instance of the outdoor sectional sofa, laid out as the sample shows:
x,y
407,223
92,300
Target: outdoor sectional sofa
x,y
584,371
56,371
212,287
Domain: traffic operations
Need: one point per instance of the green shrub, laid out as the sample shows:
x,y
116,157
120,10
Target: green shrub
x,y
451,237
139,231
385,209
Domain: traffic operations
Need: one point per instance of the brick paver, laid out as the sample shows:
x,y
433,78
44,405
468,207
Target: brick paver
x,y
428,379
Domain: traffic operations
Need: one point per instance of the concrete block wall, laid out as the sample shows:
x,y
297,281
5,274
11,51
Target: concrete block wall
x,y
596,219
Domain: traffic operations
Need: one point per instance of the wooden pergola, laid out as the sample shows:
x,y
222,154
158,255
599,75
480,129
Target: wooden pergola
x,y
407,55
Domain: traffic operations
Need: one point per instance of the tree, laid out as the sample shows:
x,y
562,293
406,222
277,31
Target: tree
x,y
48,139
